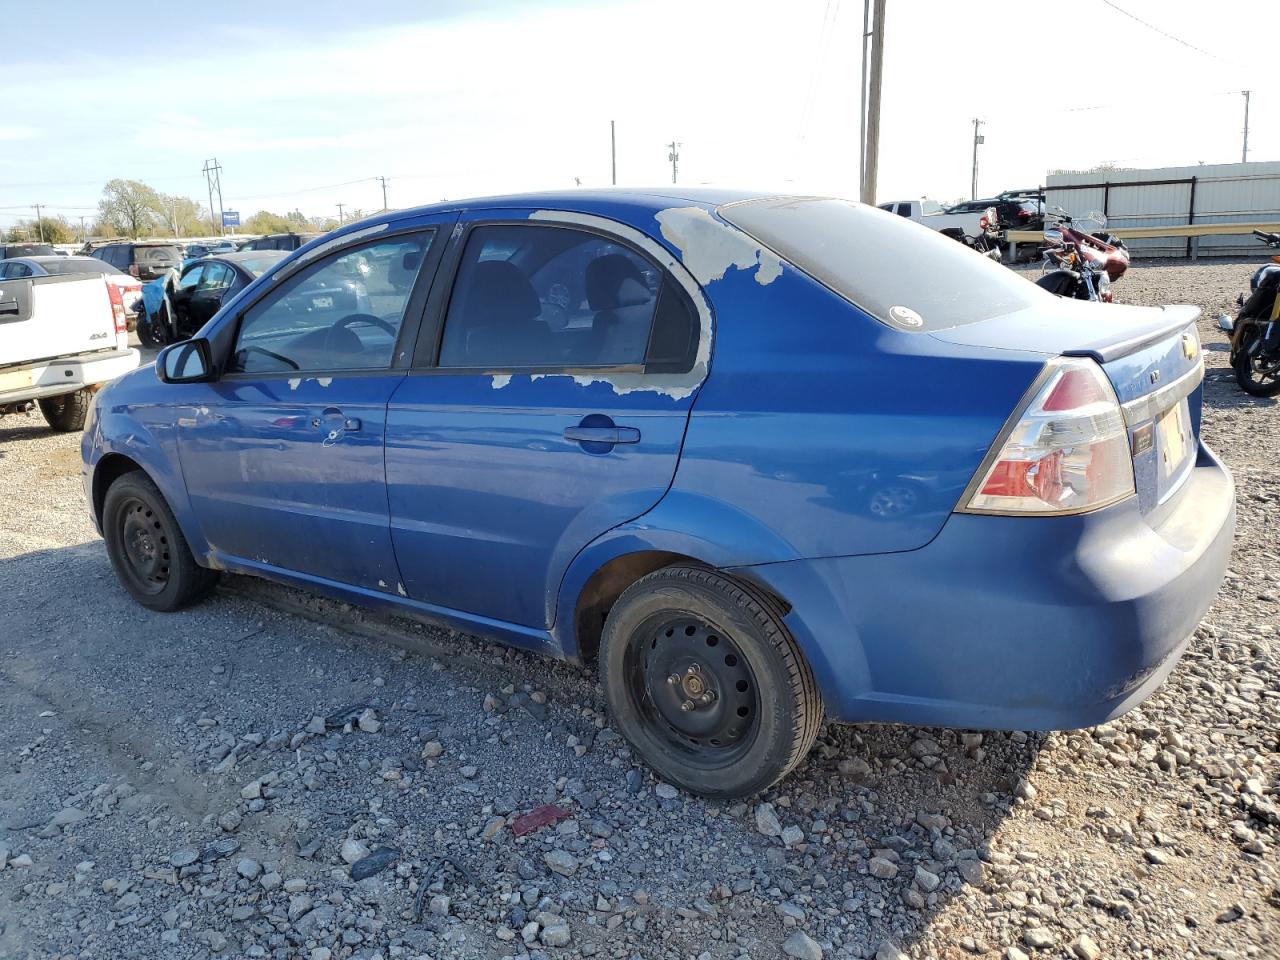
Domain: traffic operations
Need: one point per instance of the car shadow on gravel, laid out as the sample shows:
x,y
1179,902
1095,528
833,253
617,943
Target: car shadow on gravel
x,y
205,714
15,434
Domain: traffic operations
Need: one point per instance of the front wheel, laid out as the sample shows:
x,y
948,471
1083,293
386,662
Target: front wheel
x,y
147,549
1258,374
67,412
707,684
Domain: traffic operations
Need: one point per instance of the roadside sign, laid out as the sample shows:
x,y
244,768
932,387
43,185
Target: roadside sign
x,y
231,218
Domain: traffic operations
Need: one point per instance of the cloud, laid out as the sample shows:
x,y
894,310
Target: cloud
x,y
18,133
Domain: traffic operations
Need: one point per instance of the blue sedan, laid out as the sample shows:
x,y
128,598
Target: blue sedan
x,y
761,459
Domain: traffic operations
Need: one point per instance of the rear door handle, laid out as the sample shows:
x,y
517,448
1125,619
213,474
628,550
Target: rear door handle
x,y
602,434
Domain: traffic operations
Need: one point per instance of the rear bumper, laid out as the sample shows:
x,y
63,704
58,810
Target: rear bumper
x,y
1014,623
52,378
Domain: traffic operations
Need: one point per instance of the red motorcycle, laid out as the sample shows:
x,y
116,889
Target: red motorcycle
x,y
1085,261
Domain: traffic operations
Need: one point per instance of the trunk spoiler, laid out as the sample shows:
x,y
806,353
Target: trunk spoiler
x,y
1174,319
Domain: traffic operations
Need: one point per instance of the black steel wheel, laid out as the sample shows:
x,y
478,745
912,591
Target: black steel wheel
x,y
695,687
1257,372
147,549
705,681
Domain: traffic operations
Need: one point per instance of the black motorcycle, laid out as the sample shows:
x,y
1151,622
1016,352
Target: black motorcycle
x,y
1255,334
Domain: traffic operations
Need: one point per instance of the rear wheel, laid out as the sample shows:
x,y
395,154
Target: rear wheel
x,y
705,681
67,412
1258,374
147,549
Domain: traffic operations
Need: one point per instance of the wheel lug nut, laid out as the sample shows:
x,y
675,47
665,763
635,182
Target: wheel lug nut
x,y
708,698
687,706
673,679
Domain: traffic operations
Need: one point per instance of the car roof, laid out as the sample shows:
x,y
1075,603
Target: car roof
x,y
587,200
242,256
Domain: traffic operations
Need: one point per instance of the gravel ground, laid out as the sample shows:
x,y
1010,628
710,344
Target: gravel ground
x,y
201,784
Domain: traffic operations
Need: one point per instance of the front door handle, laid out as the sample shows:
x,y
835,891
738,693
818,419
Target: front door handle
x,y
602,434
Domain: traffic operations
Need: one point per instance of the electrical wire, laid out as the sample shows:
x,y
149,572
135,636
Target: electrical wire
x,y
1164,33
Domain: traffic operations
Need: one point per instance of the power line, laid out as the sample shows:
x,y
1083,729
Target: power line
x,y
1163,33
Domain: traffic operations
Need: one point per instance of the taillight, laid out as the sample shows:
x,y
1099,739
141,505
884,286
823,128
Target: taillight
x,y
117,308
984,223
133,270
1068,452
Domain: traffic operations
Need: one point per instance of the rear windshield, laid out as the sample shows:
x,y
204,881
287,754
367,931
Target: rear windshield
x,y
902,273
257,266
64,266
163,254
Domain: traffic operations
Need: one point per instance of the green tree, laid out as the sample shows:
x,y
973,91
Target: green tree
x,y
182,216
52,229
266,222
130,207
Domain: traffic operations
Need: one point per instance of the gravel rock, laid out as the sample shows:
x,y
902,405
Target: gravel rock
x,y
767,821
800,945
561,862
353,850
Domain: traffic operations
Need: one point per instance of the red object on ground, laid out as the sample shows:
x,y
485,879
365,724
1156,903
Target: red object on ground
x,y
537,818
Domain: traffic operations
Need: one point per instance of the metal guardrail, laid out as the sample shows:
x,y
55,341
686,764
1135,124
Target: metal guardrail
x,y
1176,230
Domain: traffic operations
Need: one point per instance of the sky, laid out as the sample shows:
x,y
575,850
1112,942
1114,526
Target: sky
x,y
304,104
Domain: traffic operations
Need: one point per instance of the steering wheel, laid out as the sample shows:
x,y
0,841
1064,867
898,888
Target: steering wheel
x,y
368,318
330,338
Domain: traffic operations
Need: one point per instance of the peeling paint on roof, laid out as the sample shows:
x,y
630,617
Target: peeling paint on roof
x,y
709,248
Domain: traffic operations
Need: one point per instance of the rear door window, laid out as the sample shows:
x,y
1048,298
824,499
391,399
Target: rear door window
x,y
546,297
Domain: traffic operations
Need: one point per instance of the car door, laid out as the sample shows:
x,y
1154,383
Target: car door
x,y
207,295
283,458
538,416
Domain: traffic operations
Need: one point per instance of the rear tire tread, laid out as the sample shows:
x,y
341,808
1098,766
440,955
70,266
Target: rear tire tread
x,y
66,413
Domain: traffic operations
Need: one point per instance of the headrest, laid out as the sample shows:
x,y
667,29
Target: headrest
x,y
500,294
614,281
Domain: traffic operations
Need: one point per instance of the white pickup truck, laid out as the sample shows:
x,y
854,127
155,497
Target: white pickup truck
x,y
61,338
935,215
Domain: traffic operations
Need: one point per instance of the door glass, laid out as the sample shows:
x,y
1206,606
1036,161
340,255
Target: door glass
x,y
548,297
217,276
192,277
342,313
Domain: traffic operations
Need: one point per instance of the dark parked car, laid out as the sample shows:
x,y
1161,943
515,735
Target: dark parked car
x,y
764,460
200,290
144,259
279,241
1011,213
10,250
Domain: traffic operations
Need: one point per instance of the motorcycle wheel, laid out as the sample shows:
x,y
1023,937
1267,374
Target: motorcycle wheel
x,y
1258,376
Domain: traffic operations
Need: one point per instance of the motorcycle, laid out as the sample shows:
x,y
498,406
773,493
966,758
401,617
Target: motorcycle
x,y
1255,334
1078,263
987,242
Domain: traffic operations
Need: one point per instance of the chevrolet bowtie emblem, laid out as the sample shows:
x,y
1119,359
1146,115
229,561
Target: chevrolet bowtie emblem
x,y
1190,346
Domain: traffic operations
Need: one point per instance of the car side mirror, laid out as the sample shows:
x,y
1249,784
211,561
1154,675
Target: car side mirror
x,y
188,362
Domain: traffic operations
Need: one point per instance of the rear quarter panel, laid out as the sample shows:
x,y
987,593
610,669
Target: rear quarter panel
x,y
832,431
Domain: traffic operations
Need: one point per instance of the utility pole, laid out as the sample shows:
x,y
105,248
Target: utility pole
x,y
213,179
977,139
871,146
674,157
384,191
340,206
862,103
613,151
39,223
1244,153
83,235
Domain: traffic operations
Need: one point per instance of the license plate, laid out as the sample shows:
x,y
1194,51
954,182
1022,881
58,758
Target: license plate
x,y
322,303
1175,439
16,380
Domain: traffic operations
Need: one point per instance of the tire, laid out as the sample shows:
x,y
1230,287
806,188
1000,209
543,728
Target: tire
x,y
1255,378
147,549
682,634
67,412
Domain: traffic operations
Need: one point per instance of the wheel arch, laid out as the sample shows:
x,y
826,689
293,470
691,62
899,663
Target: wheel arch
x,y
107,471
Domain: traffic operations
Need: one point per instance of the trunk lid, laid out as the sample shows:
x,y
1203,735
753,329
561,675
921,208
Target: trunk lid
x,y
1152,357
46,317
